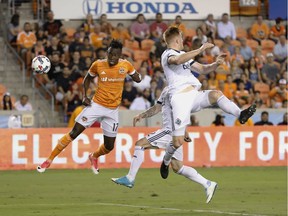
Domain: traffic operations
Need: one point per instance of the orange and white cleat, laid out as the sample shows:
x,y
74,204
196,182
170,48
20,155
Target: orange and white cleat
x,y
41,168
94,164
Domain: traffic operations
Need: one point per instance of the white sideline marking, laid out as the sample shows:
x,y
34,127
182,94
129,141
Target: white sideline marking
x,y
131,206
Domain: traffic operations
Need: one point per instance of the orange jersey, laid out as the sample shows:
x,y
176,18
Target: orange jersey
x,y
110,82
260,31
26,40
123,35
277,32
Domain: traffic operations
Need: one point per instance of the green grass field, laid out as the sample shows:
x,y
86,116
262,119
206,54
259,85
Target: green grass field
x,y
241,191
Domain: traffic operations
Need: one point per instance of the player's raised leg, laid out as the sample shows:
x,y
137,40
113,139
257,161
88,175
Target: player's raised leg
x,y
62,144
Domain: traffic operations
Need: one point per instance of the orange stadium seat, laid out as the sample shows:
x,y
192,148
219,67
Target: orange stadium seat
x,y
133,45
147,44
235,42
190,32
264,91
253,44
141,55
218,43
267,45
241,32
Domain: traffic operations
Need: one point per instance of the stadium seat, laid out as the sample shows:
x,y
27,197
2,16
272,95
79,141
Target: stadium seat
x,y
141,55
190,32
267,45
253,44
133,45
218,43
147,44
137,64
264,91
235,43
241,32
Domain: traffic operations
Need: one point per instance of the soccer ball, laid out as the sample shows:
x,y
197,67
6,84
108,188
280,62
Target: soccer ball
x,y
41,64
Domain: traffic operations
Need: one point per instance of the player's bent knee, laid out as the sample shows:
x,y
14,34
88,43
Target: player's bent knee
x,y
76,130
176,165
214,96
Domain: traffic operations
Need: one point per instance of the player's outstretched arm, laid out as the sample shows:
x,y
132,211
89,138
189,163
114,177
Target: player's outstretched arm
x,y
147,113
205,69
86,83
185,57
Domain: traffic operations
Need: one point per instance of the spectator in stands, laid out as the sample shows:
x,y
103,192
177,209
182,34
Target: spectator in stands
x,y
7,102
142,102
97,36
106,26
245,50
55,71
226,28
101,53
158,48
55,47
86,50
259,30
157,28
129,93
26,39
277,30
235,71
193,120
219,120
64,82
242,96
140,29
73,99
75,44
258,100
13,28
264,119
146,79
279,94
253,71
158,75
38,49
285,119
52,27
212,81
178,23
285,104
76,65
247,83
205,84
40,35
259,58
23,104
215,51
88,24
281,49
270,70
229,45
211,26
221,87
208,58
200,35
121,33
237,56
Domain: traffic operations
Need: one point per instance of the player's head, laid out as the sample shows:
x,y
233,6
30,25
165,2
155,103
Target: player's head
x,y
173,37
114,52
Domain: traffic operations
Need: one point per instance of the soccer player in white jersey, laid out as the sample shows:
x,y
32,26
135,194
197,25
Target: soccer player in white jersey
x,y
161,139
185,96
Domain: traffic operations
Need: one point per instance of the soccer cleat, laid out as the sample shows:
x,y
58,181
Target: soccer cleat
x,y
247,113
41,168
210,190
94,164
164,170
123,181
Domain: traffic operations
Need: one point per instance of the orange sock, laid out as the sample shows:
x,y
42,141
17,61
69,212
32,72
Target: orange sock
x,y
62,143
100,151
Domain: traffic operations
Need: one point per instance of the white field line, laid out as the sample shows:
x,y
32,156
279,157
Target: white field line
x,y
130,206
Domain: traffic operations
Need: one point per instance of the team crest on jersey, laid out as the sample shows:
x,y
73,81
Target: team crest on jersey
x,y
121,70
178,121
84,119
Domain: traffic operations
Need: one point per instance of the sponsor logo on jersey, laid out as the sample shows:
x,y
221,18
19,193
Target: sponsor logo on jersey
x,y
84,119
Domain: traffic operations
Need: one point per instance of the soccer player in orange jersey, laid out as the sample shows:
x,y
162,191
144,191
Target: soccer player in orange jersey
x,y
111,73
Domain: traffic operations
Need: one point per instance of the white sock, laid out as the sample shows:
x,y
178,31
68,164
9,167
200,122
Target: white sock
x,y
137,160
168,154
228,106
193,175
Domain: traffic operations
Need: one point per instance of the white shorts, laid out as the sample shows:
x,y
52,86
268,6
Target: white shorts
x,y
161,139
185,103
107,117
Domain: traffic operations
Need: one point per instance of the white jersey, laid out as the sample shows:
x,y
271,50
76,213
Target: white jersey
x,y
178,76
166,110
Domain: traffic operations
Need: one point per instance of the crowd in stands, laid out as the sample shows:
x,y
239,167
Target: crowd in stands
x,y
255,69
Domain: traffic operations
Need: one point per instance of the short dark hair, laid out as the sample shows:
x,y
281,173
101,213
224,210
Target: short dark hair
x,y
170,33
116,44
278,20
264,112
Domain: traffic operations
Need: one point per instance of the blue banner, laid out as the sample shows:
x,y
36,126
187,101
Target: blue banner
x,y
277,8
